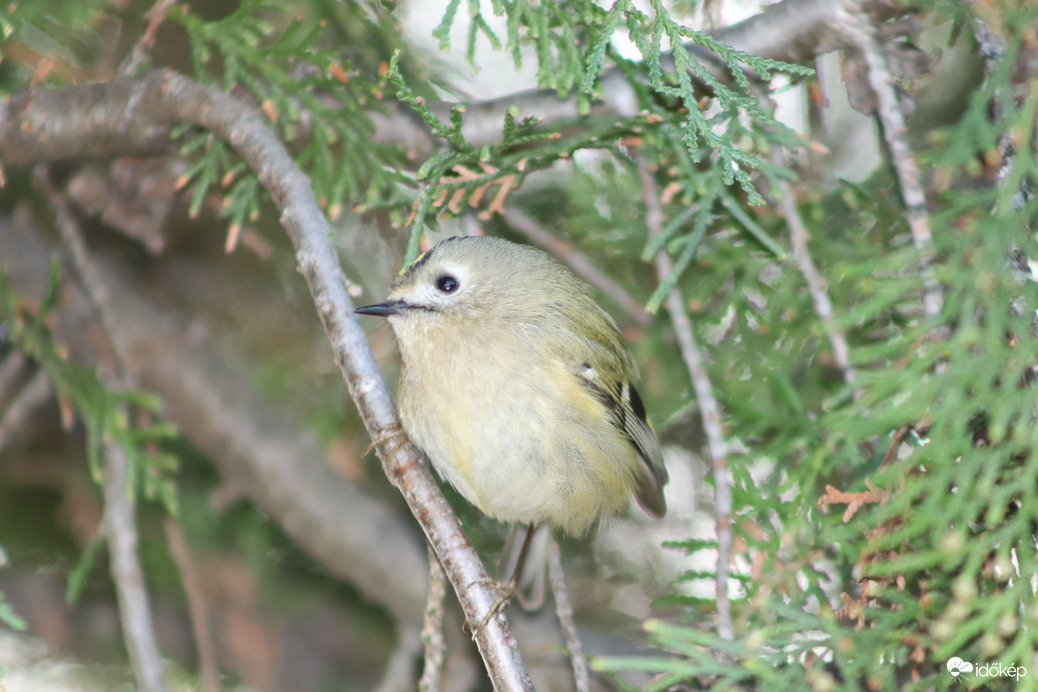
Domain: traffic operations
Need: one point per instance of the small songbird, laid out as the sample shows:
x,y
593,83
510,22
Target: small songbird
x,y
518,387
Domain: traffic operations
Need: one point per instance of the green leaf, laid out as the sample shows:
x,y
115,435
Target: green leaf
x,y
593,62
11,619
79,573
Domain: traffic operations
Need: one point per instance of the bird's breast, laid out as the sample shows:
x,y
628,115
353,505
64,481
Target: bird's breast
x,y
518,435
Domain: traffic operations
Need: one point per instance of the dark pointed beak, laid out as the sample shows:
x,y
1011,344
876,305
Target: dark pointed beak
x,y
390,307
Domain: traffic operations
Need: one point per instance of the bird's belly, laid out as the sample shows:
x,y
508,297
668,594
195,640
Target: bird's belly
x,y
525,457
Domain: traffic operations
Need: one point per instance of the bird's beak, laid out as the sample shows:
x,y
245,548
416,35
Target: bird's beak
x,y
390,307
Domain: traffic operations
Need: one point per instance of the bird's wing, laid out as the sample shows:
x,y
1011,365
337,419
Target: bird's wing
x,y
627,411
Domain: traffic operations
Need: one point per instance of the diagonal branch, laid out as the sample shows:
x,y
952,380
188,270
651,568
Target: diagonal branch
x,y
120,516
860,34
106,112
134,612
812,277
564,612
709,409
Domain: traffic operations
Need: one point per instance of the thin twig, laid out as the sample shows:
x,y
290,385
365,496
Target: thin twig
x,y
400,673
30,397
87,274
195,603
155,16
11,372
709,410
564,611
432,627
859,33
815,282
134,611
120,515
578,262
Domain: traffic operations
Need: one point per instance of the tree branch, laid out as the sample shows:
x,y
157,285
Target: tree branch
x,y
195,603
137,110
134,612
120,517
812,277
860,34
709,409
564,612
795,31
432,629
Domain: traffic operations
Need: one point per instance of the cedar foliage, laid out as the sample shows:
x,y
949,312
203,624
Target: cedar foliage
x,y
882,527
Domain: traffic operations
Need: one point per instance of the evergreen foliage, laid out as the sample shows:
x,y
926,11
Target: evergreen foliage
x,y
884,526
109,416
317,100
892,528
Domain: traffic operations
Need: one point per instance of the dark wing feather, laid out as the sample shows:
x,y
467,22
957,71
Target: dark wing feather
x,y
636,426
607,377
628,413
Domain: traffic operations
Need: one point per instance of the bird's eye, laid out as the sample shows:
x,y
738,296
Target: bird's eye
x,y
447,284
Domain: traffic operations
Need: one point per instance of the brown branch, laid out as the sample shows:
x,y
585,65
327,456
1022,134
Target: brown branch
x,y
39,126
195,603
139,54
432,628
816,284
709,409
859,33
85,270
134,611
564,612
33,395
91,121
120,513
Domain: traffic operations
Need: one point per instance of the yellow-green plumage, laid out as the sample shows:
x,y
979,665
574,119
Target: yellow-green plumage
x,y
517,385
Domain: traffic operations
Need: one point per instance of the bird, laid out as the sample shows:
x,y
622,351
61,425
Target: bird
x,y
518,387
